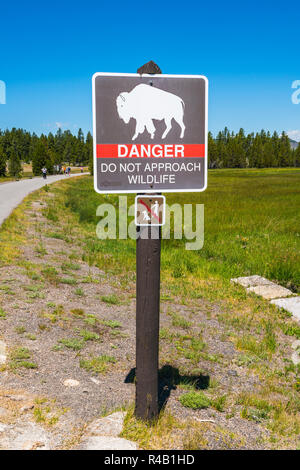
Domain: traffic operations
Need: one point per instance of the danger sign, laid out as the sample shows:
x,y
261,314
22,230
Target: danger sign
x,y
150,133
149,210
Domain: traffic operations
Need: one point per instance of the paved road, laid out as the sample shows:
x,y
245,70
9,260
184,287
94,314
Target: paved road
x,y
13,193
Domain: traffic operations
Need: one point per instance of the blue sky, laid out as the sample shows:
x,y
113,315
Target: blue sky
x,y
248,50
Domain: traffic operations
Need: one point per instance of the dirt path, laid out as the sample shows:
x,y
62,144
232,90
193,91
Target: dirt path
x,y
13,193
47,401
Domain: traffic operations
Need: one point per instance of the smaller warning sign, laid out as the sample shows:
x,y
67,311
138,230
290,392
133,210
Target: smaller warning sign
x,y
149,210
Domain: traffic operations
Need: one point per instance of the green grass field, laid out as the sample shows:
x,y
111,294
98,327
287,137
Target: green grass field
x,y
252,226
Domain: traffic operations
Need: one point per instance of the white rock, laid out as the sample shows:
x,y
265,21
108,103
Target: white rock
x,y
71,383
270,291
28,436
296,344
111,425
296,358
248,281
2,352
107,443
102,434
2,359
292,305
296,355
97,382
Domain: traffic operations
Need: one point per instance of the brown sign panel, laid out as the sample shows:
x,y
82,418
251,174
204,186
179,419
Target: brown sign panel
x,y
149,210
150,133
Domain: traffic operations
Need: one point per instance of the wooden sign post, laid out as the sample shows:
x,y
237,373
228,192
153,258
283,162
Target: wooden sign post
x,y
148,246
147,321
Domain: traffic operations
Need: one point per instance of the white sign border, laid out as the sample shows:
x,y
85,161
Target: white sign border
x,y
126,191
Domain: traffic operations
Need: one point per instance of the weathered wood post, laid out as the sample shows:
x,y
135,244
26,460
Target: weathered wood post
x,y
147,310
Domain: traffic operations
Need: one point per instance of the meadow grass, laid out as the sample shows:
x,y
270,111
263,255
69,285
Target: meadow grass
x,y
98,365
195,400
18,358
252,226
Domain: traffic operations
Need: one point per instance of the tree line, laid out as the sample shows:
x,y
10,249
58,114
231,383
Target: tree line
x,y
260,150
18,146
226,150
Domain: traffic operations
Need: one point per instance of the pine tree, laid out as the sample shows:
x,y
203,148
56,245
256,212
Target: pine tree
x,y
297,156
221,150
14,164
268,154
79,148
2,161
263,136
275,143
89,152
69,152
236,149
285,153
6,142
212,152
59,144
256,152
40,157
230,153
80,135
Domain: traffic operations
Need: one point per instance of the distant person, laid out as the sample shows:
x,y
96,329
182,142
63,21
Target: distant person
x,y
81,169
69,170
44,172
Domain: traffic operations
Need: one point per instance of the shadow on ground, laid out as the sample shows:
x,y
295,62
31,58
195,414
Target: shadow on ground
x,y
168,379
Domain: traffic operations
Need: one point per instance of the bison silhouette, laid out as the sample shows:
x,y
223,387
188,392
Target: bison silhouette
x,y
145,103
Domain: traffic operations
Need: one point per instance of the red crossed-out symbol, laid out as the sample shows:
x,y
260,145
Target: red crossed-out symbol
x,y
149,210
